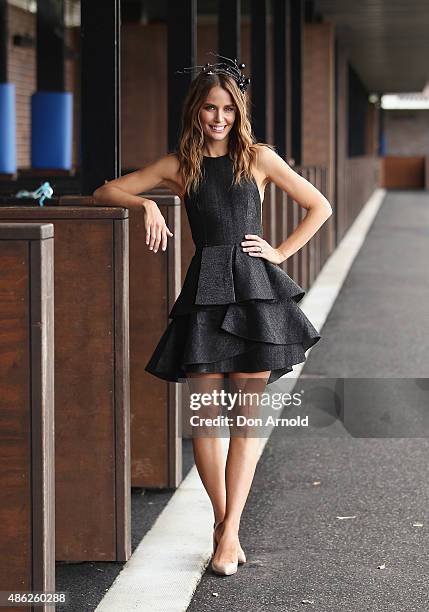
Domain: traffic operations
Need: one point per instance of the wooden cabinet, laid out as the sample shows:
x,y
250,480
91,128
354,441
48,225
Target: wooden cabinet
x,y
27,505
92,410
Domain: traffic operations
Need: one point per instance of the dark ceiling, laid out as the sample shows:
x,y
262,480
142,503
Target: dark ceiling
x,y
387,39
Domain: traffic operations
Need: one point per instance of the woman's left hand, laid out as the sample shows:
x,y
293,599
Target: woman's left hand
x,y
256,246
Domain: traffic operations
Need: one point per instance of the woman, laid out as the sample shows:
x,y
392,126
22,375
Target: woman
x,y
237,315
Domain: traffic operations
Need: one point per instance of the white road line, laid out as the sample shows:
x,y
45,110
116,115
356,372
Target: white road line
x,y
166,567
164,570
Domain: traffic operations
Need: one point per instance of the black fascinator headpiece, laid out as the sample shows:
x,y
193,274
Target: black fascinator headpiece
x,y
229,67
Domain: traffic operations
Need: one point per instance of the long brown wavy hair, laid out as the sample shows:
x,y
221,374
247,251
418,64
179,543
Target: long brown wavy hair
x,y
241,141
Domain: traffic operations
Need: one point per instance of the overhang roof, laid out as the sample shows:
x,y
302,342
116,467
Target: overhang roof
x,y
388,40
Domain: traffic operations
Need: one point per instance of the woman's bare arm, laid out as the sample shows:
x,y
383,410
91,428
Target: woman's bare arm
x,y
123,192
164,169
302,191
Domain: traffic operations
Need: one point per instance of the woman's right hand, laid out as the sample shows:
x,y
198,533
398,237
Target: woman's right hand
x,y
156,228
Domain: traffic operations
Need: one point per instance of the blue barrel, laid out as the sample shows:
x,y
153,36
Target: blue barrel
x,y
7,129
51,130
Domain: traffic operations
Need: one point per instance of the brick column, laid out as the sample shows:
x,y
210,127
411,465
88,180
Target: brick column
x,y
318,126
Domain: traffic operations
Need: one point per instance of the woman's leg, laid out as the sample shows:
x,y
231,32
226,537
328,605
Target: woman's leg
x,y
243,454
208,452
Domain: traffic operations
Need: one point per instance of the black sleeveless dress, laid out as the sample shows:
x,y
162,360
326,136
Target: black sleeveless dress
x,y
235,312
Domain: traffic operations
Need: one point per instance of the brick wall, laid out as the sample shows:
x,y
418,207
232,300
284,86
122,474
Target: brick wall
x,y
318,97
22,72
406,132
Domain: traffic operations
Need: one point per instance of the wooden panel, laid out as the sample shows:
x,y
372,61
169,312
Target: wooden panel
x,y
122,386
302,254
360,179
341,137
305,264
293,220
402,172
27,519
22,71
85,386
15,418
327,241
43,411
310,246
91,412
156,456
314,242
269,214
155,403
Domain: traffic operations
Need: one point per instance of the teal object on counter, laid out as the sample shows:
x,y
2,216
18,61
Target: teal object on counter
x,y
43,192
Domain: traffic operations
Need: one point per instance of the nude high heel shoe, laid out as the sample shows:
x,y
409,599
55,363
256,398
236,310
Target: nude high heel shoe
x,y
223,569
241,555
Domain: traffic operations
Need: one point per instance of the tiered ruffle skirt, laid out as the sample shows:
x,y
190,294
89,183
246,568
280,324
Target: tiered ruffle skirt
x,y
235,313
